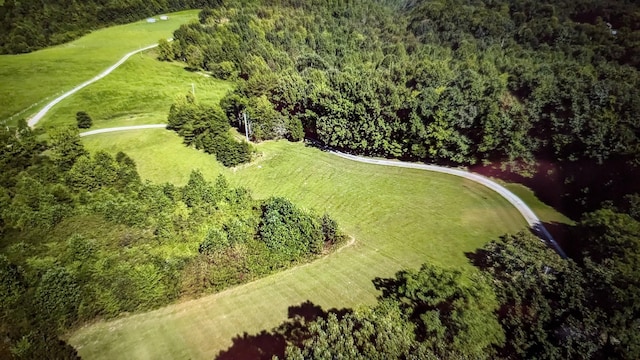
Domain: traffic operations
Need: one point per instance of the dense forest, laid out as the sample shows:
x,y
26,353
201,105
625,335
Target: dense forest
x,y
82,237
542,90
546,88
26,26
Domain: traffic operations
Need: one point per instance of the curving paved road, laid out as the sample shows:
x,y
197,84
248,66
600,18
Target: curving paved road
x,y
123,128
37,117
531,218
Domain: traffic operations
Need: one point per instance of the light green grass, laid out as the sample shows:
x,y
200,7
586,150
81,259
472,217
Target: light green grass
x,y
159,154
140,91
27,81
400,218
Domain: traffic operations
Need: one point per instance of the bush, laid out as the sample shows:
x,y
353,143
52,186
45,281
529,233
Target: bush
x,y
223,70
84,120
295,129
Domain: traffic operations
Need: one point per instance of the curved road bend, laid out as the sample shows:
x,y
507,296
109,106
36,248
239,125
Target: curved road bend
x,y
37,117
531,218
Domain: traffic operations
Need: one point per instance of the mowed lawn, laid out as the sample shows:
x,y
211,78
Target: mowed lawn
x,y
400,218
140,91
28,81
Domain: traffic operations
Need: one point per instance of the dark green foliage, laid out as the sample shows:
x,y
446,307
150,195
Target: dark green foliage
x,y
207,128
560,309
429,313
295,130
379,333
223,70
57,298
610,244
21,150
214,240
500,83
84,120
330,229
452,316
544,307
35,204
165,50
12,286
66,147
289,231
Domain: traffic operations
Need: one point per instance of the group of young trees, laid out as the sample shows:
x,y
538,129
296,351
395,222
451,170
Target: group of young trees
x,y
207,128
82,237
508,83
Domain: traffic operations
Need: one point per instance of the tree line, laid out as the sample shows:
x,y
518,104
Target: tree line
x,y
512,85
82,237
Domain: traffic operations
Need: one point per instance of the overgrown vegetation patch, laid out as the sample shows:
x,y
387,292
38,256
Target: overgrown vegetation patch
x,y
84,238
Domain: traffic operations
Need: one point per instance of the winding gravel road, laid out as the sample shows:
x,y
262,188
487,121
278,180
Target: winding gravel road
x,y
123,128
37,117
531,218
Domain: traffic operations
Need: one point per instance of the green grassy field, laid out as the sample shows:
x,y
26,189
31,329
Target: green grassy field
x,y
140,91
399,217
27,81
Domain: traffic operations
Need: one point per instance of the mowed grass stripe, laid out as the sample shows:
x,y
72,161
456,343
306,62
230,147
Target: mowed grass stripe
x,y
400,218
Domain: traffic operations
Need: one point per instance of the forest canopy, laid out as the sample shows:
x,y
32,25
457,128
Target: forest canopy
x,y
510,84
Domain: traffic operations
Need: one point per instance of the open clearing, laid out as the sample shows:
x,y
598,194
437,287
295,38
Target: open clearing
x,y
139,92
28,80
400,218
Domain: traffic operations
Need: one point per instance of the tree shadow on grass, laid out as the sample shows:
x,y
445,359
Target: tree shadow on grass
x,y
266,344
563,234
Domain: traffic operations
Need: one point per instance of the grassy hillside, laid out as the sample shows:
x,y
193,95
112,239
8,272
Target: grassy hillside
x,y
399,217
138,92
27,81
